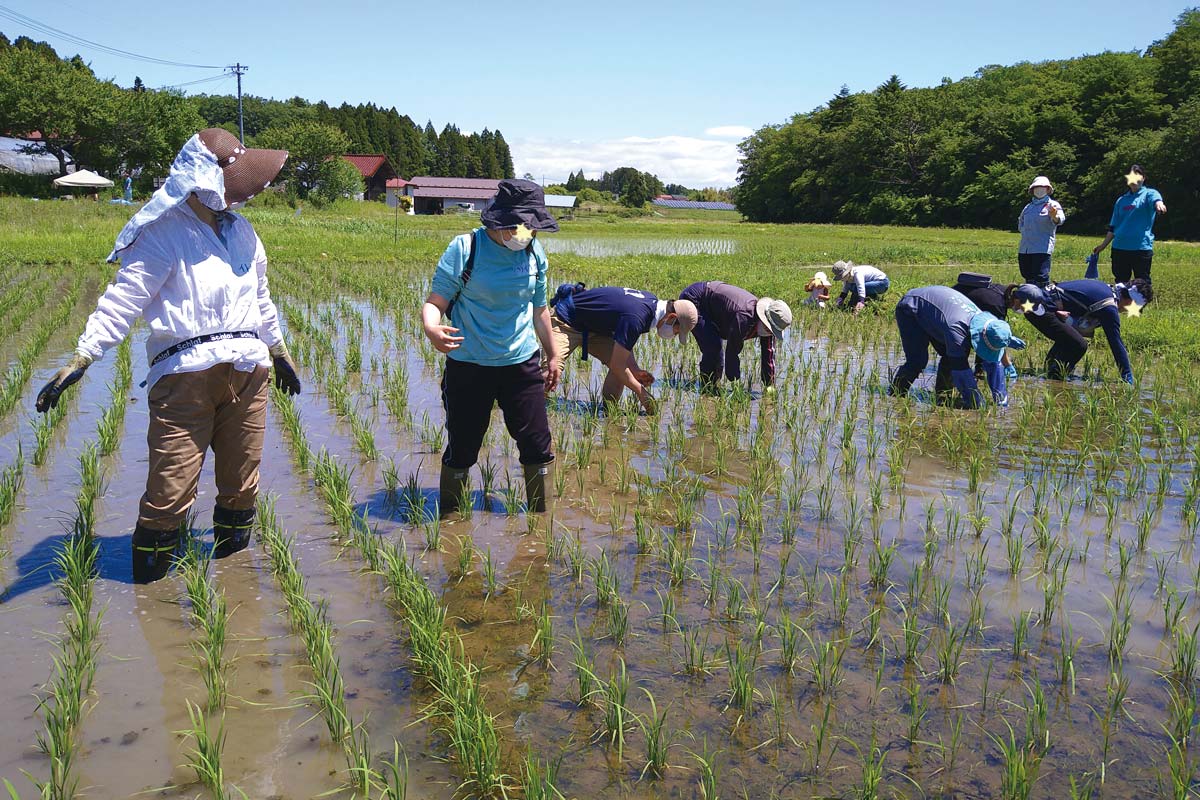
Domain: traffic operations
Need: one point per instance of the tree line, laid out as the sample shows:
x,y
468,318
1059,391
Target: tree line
x,y
111,129
963,153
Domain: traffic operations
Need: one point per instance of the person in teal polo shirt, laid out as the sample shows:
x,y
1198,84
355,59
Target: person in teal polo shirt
x,y
491,284
1131,229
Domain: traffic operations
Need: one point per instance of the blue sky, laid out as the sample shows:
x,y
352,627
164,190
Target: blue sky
x,y
664,86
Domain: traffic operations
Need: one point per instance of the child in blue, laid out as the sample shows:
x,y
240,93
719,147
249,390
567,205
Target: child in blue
x,y
1069,312
606,323
1131,229
492,285
953,325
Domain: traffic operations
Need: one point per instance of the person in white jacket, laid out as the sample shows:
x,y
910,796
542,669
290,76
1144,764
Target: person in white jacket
x,y
861,280
196,272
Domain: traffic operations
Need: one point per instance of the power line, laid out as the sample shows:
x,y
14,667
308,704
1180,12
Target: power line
x,y
50,30
224,76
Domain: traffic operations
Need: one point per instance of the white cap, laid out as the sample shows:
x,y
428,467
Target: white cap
x,y
1041,180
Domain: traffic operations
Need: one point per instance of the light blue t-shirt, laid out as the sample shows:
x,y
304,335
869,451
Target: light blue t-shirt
x,y
494,312
1133,220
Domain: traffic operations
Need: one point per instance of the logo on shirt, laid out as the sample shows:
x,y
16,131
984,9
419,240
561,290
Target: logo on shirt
x,y
240,269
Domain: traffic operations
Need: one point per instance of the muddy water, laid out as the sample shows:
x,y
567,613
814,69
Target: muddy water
x,y
147,669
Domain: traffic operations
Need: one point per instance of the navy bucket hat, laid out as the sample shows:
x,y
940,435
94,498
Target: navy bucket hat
x,y
519,202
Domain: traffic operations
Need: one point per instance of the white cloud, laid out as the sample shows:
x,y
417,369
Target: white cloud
x,y
688,160
738,132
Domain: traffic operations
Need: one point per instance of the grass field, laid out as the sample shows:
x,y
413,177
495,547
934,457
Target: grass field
x,y
825,592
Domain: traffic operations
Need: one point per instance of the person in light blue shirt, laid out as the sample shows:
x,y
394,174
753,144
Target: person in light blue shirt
x,y
1131,229
1038,224
491,284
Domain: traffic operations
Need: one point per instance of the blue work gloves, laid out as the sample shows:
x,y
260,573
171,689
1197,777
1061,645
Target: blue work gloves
x,y
1010,372
964,381
996,382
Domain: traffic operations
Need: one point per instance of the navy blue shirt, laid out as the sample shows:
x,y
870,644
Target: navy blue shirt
x,y
945,316
1079,298
619,312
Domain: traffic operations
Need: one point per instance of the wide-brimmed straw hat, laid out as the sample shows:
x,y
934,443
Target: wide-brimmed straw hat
x,y
247,170
775,314
519,202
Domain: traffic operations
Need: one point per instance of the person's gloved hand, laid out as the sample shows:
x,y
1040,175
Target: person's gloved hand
x,y
1010,372
964,381
48,397
643,377
996,382
1128,379
286,379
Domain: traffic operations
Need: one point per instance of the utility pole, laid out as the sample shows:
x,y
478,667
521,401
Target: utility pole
x,y
239,70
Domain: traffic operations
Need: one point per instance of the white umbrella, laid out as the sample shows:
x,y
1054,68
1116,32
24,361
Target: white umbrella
x,y
83,179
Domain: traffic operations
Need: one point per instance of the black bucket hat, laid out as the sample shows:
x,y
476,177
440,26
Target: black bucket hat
x,y
519,202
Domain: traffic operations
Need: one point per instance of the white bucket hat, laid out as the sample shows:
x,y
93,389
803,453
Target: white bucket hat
x,y
1041,180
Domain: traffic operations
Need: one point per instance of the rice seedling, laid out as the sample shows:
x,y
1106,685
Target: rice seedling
x,y
539,779
205,756
659,739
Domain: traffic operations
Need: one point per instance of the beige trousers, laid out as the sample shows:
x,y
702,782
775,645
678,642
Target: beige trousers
x,y
190,412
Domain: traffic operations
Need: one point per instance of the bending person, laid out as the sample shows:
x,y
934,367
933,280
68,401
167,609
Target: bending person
x,y
862,280
730,316
989,296
940,317
1068,314
491,283
196,272
606,322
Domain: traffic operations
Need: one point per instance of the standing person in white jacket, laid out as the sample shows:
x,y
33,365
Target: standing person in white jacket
x,y
1038,224
861,280
196,272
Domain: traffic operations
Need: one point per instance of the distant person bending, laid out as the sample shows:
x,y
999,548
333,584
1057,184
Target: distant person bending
x,y
1038,223
980,290
606,323
1131,228
940,317
492,285
862,281
729,317
1068,314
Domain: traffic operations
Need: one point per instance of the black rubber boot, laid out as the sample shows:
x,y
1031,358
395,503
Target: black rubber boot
x,y
153,553
451,488
231,530
900,384
539,482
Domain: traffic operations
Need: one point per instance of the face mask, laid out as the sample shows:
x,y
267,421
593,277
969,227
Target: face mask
x,y
1039,193
667,330
516,245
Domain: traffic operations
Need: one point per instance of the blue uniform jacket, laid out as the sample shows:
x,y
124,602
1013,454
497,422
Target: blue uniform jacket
x,y
1081,299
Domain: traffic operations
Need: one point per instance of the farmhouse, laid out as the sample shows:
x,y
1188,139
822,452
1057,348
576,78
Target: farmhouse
x,y
376,171
434,195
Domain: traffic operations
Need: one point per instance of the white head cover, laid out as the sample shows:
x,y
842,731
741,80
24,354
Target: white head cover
x,y
195,170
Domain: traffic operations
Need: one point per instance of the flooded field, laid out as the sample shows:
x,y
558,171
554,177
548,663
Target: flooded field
x,y
820,592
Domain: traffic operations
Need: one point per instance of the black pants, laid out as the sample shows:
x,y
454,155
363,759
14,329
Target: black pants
x,y
1127,264
1035,267
470,391
1069,344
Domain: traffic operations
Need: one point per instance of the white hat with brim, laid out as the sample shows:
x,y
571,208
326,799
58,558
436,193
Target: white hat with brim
x,y
775,314
1041,180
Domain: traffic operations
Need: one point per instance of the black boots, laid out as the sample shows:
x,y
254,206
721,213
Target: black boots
x,y
153,552
539,482
231,530
453,485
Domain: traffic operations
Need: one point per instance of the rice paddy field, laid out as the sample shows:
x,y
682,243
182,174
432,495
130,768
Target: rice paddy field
x,y
823,592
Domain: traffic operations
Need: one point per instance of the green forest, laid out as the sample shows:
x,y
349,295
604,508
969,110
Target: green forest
x,y
110,129
963,153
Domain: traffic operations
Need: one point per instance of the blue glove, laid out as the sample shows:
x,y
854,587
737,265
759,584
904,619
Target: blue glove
x,y
1010,372
995,378
964,381
1128,378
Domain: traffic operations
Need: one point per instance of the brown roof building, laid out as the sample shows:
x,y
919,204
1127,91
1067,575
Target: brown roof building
x,y
376,171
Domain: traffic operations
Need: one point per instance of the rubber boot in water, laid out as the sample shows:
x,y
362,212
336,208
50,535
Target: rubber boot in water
x,y
451,488
900,384
231,530
539,481
153,552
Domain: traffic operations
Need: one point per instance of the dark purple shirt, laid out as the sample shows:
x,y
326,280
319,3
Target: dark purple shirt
x,y
728,312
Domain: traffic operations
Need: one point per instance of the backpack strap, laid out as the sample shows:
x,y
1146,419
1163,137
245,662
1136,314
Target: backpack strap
x,y
465,278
